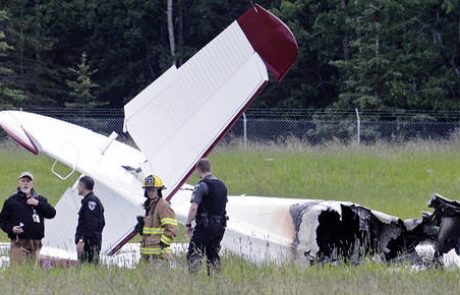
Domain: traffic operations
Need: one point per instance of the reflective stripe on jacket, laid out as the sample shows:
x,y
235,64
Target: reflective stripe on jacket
x,y
160,226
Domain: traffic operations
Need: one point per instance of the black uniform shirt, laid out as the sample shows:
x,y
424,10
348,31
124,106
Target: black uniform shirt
x,y
16,211
91,219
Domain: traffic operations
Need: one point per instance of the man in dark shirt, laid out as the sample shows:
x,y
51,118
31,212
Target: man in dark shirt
x,y
22,218
91,222
208,209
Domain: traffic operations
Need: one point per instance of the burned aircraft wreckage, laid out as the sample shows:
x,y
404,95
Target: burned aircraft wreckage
x,y
195,105
348,232
260,229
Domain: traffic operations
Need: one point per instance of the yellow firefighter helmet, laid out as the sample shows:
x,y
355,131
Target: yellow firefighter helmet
x,y
153,181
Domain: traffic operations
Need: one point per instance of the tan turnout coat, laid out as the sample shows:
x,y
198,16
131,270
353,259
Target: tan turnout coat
x,y
160,226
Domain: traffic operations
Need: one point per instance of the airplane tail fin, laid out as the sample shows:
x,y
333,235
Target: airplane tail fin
x,y
194,106
271,39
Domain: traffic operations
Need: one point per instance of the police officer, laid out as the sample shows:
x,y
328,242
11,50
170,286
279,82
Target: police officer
x,y
22,218
91,222
208,209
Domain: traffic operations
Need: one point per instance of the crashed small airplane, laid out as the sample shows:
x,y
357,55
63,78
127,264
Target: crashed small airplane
x,y
193,106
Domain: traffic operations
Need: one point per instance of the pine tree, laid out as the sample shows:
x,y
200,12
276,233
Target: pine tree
x,y
82,88
9,96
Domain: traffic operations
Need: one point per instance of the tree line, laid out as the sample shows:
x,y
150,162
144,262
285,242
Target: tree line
x,y
375,54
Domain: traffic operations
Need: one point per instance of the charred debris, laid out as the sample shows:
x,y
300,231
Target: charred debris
x,y
342,231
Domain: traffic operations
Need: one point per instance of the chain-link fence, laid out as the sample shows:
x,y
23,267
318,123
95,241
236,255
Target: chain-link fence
x,y
310,126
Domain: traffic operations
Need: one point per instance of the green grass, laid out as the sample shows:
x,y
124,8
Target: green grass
x,y
14,160
398,180
395,179
237,278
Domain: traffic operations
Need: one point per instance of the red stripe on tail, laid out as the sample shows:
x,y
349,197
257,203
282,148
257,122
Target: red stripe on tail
x,y
271,39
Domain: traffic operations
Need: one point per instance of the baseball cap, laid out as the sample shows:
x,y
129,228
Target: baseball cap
x,y
26,174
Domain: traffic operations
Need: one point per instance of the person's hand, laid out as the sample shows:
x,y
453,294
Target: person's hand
x,y
140,224
17,230
80,247
189,231
32,202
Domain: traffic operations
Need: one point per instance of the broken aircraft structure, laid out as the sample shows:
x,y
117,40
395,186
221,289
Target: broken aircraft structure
x,y
199,102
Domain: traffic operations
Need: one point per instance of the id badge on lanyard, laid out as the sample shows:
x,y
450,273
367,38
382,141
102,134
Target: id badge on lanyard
x,y
35,217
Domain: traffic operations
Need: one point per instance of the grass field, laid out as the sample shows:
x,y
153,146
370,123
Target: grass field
x,y
398,180
395,179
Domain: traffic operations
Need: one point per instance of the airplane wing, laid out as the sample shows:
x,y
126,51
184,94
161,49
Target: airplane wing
x,y
89,153
188,109
258,230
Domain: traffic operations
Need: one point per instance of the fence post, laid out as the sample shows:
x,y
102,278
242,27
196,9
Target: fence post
x,y
245,130
358,127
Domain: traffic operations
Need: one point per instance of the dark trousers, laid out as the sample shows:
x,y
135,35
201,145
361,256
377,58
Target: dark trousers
x,y
205,241
91,251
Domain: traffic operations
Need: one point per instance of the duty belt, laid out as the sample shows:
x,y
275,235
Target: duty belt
x,y
206,220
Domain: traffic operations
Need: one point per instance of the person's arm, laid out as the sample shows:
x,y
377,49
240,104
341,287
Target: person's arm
x,y
45,208
200,190
5,221
191,214
80,232
169,223
102,219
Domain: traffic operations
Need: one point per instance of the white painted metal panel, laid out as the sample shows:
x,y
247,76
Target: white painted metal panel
x,y
119,215
182,120
60,232
154,89
120,191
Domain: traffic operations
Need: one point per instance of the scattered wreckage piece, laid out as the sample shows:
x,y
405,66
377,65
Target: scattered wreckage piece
x,y
329,231
436,235
446,216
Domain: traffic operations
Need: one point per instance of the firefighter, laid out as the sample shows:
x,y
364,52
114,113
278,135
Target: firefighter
x,y
22,218
208,209
159,226
91,222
